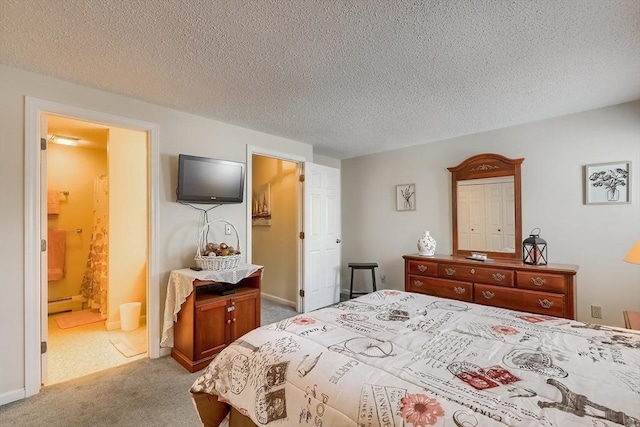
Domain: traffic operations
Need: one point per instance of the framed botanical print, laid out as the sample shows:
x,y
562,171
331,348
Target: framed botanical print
x,y
607,183
406,197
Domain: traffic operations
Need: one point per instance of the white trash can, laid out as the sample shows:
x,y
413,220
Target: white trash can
x,y
130,316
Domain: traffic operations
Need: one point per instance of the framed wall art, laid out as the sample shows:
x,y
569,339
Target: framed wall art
x,y
261,205
607,183
406,197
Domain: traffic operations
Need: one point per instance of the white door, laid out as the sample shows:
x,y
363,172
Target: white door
x,y
477,237
509,214
322,234
493,217
44,270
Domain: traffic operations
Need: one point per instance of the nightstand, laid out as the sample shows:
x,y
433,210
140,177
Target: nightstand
x,y
632,320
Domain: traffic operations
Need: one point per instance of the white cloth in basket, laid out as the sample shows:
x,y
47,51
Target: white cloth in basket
x,y
181,285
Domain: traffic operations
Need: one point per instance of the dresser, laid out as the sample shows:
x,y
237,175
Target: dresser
x,y
214,309
548,289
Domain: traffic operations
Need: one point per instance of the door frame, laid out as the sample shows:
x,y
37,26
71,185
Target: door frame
x,y
34,109
300,160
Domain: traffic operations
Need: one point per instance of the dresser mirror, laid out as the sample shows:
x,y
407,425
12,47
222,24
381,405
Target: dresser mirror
x,y
486,206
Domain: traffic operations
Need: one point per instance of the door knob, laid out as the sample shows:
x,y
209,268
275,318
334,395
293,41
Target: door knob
x,y
338,241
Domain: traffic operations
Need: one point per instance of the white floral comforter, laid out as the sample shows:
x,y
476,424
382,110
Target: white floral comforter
x,y
393,358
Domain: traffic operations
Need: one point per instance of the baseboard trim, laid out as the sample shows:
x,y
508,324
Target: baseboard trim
x,y
12,396
278,299
112,326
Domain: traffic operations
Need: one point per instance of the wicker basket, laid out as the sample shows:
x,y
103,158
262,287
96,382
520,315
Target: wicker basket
x,y
216,262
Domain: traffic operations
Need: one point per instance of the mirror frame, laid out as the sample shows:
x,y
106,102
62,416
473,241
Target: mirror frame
x,y
488,165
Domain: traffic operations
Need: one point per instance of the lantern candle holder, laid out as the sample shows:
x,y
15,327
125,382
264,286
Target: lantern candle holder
x,y
534,249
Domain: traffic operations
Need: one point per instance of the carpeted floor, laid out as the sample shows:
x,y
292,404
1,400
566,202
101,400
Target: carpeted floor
x,y
142,393
272,311
145,392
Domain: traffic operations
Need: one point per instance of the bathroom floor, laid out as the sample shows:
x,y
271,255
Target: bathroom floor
x,y
82,350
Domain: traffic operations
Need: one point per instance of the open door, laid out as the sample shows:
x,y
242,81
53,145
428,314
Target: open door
x,y
322,234
44,270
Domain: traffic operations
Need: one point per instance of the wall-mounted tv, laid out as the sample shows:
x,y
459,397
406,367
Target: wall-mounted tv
x,y
206,180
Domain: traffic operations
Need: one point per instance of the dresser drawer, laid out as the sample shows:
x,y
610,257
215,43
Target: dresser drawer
x,y
491,276
541,282
423,268
443,288
516,299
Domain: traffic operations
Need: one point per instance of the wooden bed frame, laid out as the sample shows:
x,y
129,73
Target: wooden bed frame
x,y
212,412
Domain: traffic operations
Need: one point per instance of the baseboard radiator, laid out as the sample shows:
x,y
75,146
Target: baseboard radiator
x,y
72,303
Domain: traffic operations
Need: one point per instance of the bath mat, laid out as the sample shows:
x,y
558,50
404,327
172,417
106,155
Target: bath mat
x,y
78,318
131,343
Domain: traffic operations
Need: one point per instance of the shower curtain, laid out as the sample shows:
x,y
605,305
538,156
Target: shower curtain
x,y
95,283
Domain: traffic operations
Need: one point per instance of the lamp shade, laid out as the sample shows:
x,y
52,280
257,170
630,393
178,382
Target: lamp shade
x,y
634,254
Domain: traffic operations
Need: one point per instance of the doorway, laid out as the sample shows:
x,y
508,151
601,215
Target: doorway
x,y
275,205
317,229
35,230
87,279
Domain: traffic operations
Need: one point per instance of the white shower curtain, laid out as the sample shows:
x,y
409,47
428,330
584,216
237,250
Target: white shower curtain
x,y
95,283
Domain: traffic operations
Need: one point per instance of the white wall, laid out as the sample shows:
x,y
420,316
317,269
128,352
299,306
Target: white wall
x,y
594,237
179,133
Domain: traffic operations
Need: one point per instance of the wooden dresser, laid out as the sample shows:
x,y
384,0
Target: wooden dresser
x,y
548,289
208,322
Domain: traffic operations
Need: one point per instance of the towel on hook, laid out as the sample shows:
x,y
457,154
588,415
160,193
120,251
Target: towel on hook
x,y
57,239
53,202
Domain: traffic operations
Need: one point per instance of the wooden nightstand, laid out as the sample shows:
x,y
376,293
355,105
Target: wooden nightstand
x,y
632,320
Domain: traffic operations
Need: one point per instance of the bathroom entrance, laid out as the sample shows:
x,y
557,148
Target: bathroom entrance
x,y
94,179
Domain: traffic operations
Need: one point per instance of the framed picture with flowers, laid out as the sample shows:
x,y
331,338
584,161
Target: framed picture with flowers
x,y
607,183
406,197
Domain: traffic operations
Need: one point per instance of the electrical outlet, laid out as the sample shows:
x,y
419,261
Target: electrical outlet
x,y
596,312
227,229
383,279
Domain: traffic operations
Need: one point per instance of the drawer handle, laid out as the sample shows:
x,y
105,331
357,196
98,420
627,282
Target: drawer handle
x,y
422,268
459,290
488,294
233,320
538,281
473,271
450,271
545,303
498,277
418,283
228,321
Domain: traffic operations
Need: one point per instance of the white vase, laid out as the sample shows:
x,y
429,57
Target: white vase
x,y
426,244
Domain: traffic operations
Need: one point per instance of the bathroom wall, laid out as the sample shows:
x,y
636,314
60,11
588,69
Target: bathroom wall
x,y
73,169
128,224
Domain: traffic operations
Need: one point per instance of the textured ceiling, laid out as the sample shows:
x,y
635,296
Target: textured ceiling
x,y
351,77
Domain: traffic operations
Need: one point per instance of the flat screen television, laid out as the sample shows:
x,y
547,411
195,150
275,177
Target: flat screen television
x,y
206,180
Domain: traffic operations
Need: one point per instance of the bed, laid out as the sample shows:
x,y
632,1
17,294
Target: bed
x,y
393,358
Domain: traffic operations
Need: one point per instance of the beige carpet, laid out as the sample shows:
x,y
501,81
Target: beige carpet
x,y
78,318
131,343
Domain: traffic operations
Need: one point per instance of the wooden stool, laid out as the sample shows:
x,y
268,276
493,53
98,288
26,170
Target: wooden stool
x,y
362,266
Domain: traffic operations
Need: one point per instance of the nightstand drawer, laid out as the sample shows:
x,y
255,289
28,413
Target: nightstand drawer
x,y
423,268
490,276
530,301
540,282
443,288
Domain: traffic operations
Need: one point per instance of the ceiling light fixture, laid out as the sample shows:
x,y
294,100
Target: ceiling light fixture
x,y
65,140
